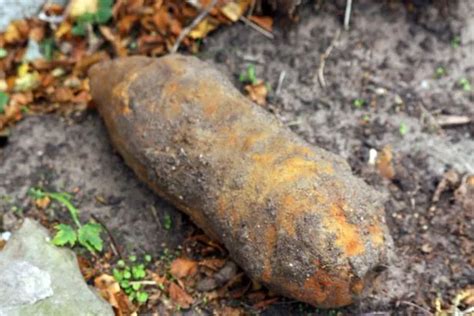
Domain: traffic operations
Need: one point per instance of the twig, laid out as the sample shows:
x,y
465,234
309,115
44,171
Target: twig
x,y
322,62
191,26
280,82
418,307
113,244
252,7
453,120
257,28
144,282
347,15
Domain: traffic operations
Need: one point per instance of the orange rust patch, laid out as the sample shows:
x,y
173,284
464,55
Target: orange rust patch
x,y
322,288
347,236
376,235
271,240
252,139
209,109
120,92
357,287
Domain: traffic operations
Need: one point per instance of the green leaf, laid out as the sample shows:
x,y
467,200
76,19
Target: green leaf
x,y
132,258
252,74
118,275
403,129
167,222
138,272
127,274
65,235
65,199
106,3
359,103
465,84
89,237
136,286
147,258
125,284
142,297
4,98
3,53
47,48
440,72
121,263
103,15
79,29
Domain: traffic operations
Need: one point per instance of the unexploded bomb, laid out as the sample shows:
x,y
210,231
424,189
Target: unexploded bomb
x,y
292,215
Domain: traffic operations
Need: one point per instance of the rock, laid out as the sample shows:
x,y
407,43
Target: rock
x,y
292,215
40,279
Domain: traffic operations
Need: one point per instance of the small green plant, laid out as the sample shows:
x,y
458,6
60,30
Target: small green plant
x,y
130,276
249,75
3,53
102,16
465,84
87,235
47,47
440,72
456,41
4,98
358,103
403,129
167,222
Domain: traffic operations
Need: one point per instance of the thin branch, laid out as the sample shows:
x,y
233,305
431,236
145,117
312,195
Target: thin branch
x,y
257,28
323,58
113,244
418,307
280,82
185,32
347,15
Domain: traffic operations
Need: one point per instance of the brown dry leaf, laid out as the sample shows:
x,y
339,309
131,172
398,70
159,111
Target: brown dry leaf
x,y
85,63
257,92
43,203
2,244
266,303
203,28
37,33
126,23
110,290
384,163
264,22
213,264
119,48
12,34
468,297
63,29
180,296
79,7
161,281
464,195
229,311
63,94
234,11
182,267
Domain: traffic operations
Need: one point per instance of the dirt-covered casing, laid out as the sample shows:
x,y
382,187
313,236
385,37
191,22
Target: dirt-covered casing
x,y
292,215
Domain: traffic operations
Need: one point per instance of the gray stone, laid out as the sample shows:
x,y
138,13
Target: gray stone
x,y
41,279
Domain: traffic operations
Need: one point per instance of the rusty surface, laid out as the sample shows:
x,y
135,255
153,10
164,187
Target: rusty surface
x,y
291,215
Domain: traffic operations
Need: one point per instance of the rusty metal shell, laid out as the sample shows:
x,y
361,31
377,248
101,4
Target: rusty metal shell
x,y
292,215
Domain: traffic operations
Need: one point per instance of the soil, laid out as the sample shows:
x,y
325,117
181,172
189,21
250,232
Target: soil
x,y
389,59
